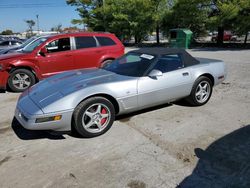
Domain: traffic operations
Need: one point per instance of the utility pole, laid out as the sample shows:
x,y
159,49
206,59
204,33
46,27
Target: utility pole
x,y
38,29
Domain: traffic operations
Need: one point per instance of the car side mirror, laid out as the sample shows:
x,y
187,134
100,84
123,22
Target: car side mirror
x,y
155,73
43,51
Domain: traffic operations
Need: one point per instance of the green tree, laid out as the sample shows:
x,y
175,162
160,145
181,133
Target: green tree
x,y
133,17
243,18
223,16
30,24
85,9
125,18
57,28
187,14
161,9
7,32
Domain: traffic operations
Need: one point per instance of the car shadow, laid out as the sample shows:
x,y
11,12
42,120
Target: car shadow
x,y
225,163
25,134
126,117
7,90
2,91
184,103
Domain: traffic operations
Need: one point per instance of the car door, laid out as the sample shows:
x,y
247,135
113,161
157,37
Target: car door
x,y
86,52
15,43
109,47
58,57
175,82
5,43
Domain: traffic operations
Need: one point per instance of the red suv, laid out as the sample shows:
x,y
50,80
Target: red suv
x,y
51,55
228,36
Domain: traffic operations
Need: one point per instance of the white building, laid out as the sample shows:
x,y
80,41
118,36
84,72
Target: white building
x,y
40,32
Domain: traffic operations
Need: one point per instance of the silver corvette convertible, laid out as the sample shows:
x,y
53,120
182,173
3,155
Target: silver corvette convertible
x,y
88,100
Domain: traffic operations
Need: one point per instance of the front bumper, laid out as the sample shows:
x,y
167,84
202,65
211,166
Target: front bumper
x,y
28,121
4,75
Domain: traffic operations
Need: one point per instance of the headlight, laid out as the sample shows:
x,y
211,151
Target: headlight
x,y
47,119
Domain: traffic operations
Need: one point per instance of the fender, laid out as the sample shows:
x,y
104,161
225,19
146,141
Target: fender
x,y
106,57
26,64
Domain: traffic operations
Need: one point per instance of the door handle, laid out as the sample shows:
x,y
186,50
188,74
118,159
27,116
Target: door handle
x,y
185,73
68,55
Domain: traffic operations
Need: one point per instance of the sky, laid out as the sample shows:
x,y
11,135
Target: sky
x,y
51,13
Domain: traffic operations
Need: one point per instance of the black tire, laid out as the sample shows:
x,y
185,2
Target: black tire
x,y
28,79
233,39
80,117
214,39
198,100
106,62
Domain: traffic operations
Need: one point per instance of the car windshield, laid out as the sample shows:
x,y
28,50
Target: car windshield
x,y
131,64
33,45
28,41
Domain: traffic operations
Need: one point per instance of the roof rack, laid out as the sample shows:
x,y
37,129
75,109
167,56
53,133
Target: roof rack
x,y
102,32
79,31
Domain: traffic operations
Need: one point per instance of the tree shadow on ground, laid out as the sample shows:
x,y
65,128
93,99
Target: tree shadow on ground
x,y
224,164
216,49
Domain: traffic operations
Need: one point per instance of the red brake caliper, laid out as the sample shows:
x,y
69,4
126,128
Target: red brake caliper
x,y
103,111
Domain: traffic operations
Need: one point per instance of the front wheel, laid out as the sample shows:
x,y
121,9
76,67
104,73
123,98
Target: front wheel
x,y
20,80
201,91
94,117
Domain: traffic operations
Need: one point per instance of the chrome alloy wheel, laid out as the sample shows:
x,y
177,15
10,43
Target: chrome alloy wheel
x,y
21,81
96,118
202,92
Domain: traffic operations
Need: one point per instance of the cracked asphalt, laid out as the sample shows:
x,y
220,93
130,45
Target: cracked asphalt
x,y
172,145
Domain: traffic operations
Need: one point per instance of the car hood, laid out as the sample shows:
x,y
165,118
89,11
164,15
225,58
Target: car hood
x,y
3,51
11,49
12,56
58,86
6,47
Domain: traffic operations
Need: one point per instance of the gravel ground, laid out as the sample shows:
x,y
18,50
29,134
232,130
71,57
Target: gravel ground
x,y
168,146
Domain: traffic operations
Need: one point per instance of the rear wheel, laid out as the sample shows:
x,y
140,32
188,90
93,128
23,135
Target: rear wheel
x,y
233,39
106,62
94,117
201,91
20,80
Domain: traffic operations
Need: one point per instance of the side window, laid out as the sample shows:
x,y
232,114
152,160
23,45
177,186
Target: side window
x,y
15,43
58,45
85,42
129,59
169,63
105,41
5,43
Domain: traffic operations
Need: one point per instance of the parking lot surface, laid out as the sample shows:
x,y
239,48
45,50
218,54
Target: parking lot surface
x,y
173,145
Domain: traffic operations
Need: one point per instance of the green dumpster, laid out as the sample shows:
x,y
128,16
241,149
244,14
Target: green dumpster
x,y
180,38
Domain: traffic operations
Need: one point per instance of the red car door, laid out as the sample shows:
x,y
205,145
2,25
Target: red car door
x,y
58,57
86,52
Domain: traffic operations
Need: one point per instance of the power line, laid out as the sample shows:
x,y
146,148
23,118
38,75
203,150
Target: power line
x,y
32,5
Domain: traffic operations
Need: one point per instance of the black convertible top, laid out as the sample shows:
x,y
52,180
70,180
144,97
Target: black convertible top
x,y
187,59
